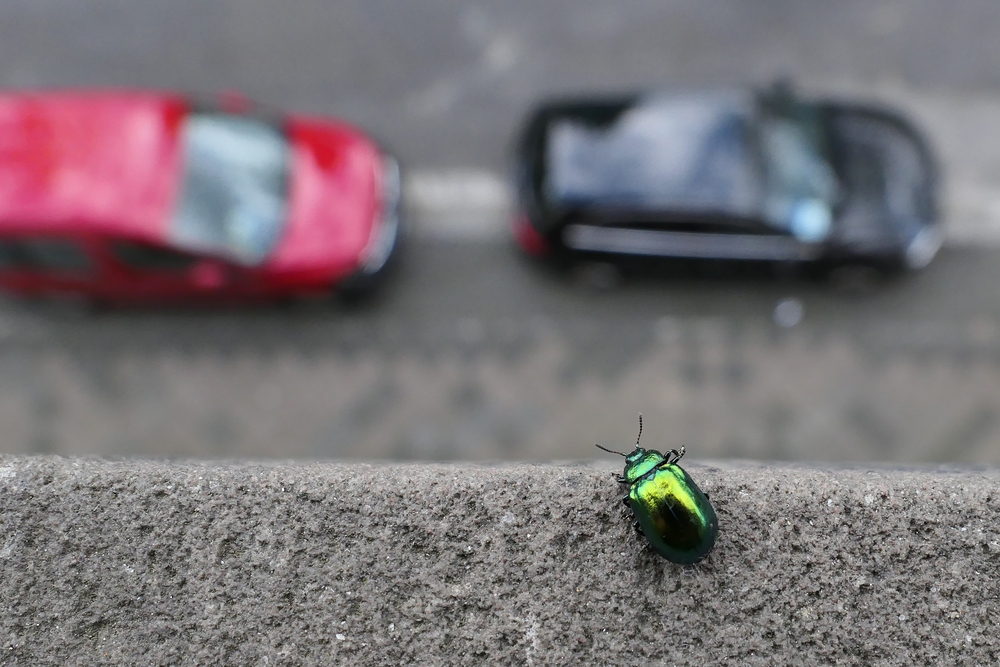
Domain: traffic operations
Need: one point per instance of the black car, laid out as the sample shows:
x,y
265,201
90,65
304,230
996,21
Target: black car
x,y
757,175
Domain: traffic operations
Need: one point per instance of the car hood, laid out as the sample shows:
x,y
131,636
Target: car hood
x,y
887,177
101,162
334,203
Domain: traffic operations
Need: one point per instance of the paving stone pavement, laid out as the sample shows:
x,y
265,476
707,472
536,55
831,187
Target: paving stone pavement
x,y
482,390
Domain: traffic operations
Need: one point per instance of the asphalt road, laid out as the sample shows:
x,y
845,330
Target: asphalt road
x,y
473,352
445,82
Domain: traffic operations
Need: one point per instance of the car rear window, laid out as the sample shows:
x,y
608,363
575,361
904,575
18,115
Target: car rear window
x,y
666,152
42,254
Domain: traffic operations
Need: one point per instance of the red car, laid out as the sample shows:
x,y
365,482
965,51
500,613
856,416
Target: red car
x,y
150,197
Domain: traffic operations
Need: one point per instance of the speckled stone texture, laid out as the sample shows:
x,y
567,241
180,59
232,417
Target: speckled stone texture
x,y
316,564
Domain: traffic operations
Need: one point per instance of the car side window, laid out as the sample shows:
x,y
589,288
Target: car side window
x,y
44,254
146,257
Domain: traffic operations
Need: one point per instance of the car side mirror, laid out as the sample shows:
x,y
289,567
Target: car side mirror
x,y
781,92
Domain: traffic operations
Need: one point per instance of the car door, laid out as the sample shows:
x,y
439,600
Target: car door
x,y
666,234
48,265
141,271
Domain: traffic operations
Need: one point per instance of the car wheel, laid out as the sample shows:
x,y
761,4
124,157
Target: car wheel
x,y
363,286
357,288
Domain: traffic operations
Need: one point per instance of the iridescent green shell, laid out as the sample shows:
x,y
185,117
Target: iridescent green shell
x,y
675,516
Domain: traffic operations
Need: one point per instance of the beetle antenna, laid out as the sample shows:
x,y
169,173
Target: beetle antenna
x,y
610,451
640,432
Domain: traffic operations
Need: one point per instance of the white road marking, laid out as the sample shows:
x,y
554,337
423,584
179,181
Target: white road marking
x,y
476,205
460,204
458,188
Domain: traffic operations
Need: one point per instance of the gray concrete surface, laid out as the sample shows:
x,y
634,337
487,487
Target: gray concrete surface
x,y
154,563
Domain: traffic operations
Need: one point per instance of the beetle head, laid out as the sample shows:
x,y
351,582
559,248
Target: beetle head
x,y
637,455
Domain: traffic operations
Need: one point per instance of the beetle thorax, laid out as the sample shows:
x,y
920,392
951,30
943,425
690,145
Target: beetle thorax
x,y
641,462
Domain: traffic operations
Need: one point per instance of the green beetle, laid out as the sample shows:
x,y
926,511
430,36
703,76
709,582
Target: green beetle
x,y
675,516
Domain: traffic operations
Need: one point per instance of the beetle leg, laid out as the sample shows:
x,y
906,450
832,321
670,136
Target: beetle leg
x,y
674,455
621,479
625,500
671,456
638,528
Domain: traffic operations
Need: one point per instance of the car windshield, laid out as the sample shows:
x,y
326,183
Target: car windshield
x,y
802,186
234,190
666,152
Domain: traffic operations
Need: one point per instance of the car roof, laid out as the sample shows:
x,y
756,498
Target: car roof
x,y
89,162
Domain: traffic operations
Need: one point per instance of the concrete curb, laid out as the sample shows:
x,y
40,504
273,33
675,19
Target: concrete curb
x,y
312,564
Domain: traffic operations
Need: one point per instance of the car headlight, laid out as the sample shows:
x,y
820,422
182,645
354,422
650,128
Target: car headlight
x,y
380,246
923,246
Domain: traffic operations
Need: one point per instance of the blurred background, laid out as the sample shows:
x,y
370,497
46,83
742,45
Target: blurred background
x,y
473,353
